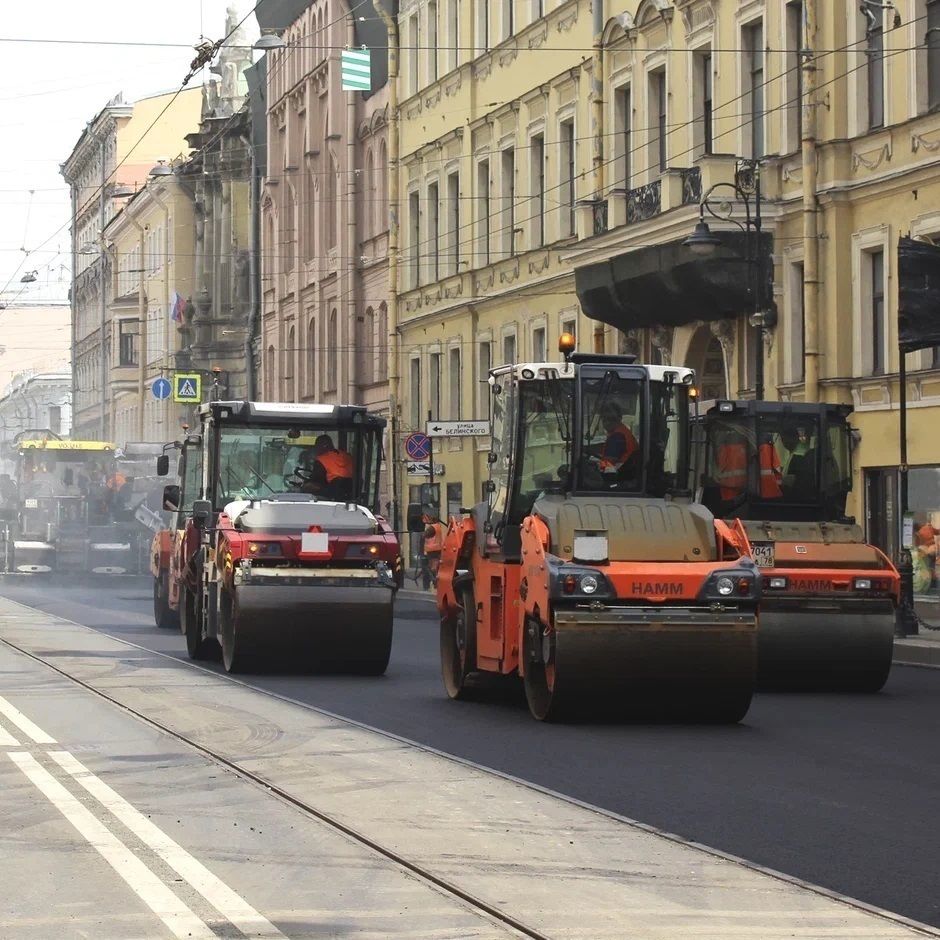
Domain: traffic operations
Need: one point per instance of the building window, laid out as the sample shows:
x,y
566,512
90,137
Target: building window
x,y
413,58
797,324
538,344
933,54
599,332
310,358
432,41
454,499
128,336
537,182
483,212
55,419
509,349
508,184
486,363
876,261
434,209
658,108
269,374
753,43
455,380
566,166
704,79
509,19
483,25
570,326
383,343
453,223
453,34
414,228
289,354
332,351
794,82
874,52
415,394
624,131
434,386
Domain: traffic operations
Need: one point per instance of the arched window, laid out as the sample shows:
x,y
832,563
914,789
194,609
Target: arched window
x,y
366,348
371,207
332,352
380,187
289,359
332,203
382,343
310,357
269,374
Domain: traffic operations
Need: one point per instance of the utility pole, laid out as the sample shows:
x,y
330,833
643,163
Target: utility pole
x,y
810,206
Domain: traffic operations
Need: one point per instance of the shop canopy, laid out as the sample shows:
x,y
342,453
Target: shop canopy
x,y
669,285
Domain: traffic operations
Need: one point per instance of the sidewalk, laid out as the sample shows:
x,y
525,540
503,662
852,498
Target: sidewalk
x,y
920,650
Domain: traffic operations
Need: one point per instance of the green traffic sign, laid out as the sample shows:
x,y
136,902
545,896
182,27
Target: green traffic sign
x,y
187,388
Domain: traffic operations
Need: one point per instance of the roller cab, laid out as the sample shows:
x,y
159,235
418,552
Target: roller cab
x,y
588,571
276,560
780,474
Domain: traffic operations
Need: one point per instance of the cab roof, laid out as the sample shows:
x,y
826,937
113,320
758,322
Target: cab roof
x,y
303,414
565,370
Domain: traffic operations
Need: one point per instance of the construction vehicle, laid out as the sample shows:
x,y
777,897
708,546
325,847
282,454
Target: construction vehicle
x,y
588,570
141,498
780,473
271,557
65,517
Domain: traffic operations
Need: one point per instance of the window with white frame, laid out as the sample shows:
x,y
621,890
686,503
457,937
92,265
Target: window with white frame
x,y
623,128
453,222
509,348
794,77
482,26
869,301
566,175
332,351
434,385
451,51
570,325
507,183
483,214
434,209
875,69
702,83
796,322
658,124
752,36
875,262
414,237
485,353
432,51
509,18
455,380
538,344
415,393
537,188
414,42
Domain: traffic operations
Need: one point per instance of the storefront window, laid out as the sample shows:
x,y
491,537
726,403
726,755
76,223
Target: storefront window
x,y
924,513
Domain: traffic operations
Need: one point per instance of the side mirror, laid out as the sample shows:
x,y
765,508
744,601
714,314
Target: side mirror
x,y
489,486
202,512
415,521
163,465
171,497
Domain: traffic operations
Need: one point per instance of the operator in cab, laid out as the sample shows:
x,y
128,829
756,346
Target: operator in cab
x,y
620,444
327,471
433,546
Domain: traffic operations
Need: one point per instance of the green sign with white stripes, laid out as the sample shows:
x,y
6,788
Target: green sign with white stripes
x,y
356,69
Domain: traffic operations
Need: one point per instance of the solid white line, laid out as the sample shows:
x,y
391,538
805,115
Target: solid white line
x,y
7,739
181,921
24,724
229,904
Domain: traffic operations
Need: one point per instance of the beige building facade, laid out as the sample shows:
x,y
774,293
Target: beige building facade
x,y
109,162
544,138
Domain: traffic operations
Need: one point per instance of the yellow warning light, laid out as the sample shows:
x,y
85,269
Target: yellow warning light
x,y
693,393
253,548
566,344
373,549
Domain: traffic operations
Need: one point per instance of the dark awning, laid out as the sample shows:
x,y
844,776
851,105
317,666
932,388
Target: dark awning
x,y
918,295
668,285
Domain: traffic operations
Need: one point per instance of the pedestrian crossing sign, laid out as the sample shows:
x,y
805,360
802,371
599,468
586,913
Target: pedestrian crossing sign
x,y
187,388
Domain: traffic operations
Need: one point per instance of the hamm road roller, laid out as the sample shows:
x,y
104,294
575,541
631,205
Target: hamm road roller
x,y
782,472
588,570
280,555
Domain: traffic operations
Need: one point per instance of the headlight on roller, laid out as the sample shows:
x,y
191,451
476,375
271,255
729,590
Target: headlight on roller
x,y
589,584
725,587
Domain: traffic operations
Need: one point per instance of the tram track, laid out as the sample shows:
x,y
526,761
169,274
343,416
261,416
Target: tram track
x,y
423,873
496,914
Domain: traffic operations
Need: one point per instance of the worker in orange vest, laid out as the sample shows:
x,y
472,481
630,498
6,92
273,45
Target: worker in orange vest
x,y
328,471
731,467
620,444
433,545
771,471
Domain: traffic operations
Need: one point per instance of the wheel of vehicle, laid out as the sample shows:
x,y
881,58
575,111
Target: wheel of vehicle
x,y
458,645
373,659
191,622
540,681
727,707
164,616
234,657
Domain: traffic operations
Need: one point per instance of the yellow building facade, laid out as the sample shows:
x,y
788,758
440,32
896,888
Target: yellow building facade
x,y
543,138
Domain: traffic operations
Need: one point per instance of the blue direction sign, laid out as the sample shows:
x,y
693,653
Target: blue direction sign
x,y
161,389
418,446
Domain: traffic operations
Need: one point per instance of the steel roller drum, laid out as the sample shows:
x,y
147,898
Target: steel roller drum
x,y
669,664
835,647
321,628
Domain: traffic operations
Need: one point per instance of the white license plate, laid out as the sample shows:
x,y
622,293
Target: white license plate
x,y
30,503
316,543
763,554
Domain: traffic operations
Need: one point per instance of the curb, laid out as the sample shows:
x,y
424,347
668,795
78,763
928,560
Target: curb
x,y
913,651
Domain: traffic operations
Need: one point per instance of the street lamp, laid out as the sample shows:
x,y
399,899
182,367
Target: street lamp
x,y
161,169
703,243
269,41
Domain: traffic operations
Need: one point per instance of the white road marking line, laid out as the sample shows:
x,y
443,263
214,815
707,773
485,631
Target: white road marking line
x,y
229,904
181,921
7,739
24,724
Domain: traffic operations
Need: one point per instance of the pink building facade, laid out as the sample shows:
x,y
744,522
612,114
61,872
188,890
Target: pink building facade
x,y
324,221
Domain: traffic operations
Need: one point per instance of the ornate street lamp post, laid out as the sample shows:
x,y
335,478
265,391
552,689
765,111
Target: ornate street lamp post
x,y
703,242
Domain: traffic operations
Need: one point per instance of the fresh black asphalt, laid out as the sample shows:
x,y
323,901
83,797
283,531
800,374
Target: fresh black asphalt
x,y
842,791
